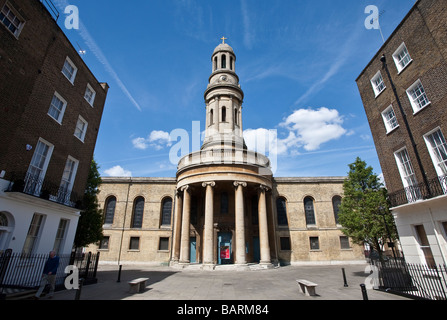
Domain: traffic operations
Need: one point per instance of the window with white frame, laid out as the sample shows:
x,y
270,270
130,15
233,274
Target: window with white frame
x,y
60,236
11,20
437,147
407,175
57,107
68,177
33,234
69,70
418,97
81,128
90,94
38,167
389,119
377,83
401,57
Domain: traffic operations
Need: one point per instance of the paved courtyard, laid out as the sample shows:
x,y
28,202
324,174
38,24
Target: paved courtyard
x,y
166,283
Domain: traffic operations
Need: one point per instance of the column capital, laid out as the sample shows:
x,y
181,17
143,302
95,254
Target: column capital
x,y
264,188
240,183
185,188
209,183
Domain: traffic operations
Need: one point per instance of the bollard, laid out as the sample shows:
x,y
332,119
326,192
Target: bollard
x,y
78,291
364,293
119,274
344,277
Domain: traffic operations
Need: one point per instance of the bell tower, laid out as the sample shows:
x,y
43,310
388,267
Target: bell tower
x,y
223,99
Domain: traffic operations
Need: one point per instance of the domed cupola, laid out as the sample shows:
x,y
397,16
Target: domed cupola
x,y
223,99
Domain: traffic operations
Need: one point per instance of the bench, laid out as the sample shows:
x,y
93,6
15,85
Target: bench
x,y
307,287
137,285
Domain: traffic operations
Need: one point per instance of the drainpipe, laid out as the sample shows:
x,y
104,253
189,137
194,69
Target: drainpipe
x,y
124,221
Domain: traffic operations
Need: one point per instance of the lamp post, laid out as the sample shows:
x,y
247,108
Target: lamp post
x,y
382,211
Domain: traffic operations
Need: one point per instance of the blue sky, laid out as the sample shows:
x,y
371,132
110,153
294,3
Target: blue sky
x,y
297,63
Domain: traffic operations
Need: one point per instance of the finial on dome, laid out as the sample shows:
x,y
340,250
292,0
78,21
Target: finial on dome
x,y
223,40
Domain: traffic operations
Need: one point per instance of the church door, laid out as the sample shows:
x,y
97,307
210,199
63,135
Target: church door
x,y
224,247
192,251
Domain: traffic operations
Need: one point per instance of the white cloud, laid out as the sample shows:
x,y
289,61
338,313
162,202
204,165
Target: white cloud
x,y
312,128
156,139
118,171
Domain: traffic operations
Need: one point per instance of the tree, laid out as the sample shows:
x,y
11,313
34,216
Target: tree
x,y
364,199
91,220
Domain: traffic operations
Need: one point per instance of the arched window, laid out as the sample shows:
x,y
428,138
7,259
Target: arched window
x,y
224,203
224,114
3,220
309,210
109,210
281,209
215,64
211,117
336,202
166,211
137,215
224,61
231,63
235,117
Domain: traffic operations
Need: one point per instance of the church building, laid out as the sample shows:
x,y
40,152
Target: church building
x,y
224,206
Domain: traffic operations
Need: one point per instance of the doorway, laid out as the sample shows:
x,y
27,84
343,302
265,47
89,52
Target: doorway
x,y
192,250
224,248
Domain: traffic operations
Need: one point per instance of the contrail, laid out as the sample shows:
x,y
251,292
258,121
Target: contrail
x,y
90,42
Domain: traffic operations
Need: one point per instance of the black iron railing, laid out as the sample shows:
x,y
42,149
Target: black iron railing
x,y
421,191
36,186
22,271
415,280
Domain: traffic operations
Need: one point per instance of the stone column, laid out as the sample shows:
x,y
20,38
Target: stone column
x,y
186,217
240,223
208,230
263,226
177,227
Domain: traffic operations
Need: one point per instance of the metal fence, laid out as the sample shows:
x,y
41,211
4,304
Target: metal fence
x,y
25,271
414,280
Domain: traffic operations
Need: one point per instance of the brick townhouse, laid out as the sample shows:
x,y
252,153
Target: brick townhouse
x,y
51,107
404,93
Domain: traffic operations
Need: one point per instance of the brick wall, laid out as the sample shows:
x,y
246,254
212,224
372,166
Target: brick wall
x,y
424,34
31,67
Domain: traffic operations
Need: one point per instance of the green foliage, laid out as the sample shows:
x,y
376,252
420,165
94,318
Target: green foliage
x,y
91,220
359,210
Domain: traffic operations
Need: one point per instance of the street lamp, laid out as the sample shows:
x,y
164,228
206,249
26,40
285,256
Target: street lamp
x,y
383,212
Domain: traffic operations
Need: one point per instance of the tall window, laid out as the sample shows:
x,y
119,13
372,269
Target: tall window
x,y
90,94
224,114
425,245
401,57
57,107
418,97
166,211
211,117
81,128
309,210
407,174
336,202
231,63
224,203
389,119
68,178
38,167
224,61
34,232
138,209
11,20
60,235
69,70
110,210
281,209
377,83
438,150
